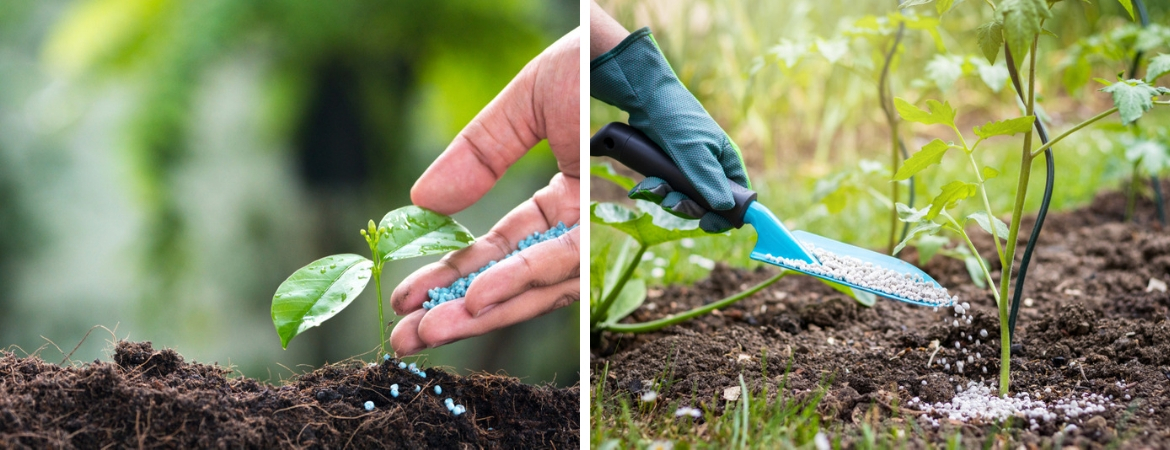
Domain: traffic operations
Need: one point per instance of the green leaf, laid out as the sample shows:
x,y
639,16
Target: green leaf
x,y
412,231
647,228
606,171
944,70
928,246
632,296
930,155
1021,23
974,270
989,172
1152,154
922,228
866,299
909,3
1159,65
1132,98
990,39
943,6
940,113
910,215
598,262
980,218
1128,5
995,76
1006,127
952,193
833,191
316,292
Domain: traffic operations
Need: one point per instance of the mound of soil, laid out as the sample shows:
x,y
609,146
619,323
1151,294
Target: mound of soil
x,y
1092,322
151,398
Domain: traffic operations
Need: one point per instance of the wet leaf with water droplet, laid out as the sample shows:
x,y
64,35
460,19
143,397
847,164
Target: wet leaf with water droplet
x,y
415,231
310,296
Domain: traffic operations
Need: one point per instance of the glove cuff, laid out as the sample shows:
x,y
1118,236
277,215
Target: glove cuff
x,y
621,47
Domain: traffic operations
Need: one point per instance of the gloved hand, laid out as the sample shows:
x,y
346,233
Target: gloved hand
x,y
635,77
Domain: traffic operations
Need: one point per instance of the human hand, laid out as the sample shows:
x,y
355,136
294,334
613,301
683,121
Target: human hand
x,y
541,102
634,76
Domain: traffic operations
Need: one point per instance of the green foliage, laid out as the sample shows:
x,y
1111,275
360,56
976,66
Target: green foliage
x,y
990,36
1022,20
1006,127
925,228
412,231
619,291
1001,229
930,155
1128,5
320,290
316,292
649,226
1132,98
939,113
943,6
838,190
1148,155
1159,65
628,300
952,193
606,171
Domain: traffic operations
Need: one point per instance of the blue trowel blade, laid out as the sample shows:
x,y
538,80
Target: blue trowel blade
x,y
774,239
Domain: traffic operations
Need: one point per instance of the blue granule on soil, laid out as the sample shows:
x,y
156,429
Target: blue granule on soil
x,y
458,289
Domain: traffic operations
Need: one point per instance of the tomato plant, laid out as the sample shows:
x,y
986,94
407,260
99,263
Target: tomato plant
x,y
1016,29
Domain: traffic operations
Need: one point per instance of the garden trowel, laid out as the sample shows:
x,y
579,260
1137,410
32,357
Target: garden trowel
x,y
801,251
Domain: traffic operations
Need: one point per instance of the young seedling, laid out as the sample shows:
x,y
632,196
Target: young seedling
x,y
320,290
1017,29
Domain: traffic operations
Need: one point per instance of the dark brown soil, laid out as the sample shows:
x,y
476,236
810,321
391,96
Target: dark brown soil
x,y
1092,327
150,398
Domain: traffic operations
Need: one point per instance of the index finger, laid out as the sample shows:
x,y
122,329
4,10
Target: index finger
x,y
480,154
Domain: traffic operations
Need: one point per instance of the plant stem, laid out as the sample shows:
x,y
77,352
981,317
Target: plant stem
x,y
678,318
975,251
892,120
1131,192
1072,130
601,313
1008,256
378,287
987,208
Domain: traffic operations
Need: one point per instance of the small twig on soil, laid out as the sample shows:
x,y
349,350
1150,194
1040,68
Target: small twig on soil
x,y
899,355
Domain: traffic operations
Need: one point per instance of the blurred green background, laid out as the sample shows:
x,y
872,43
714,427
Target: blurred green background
x,y
165,164
795,84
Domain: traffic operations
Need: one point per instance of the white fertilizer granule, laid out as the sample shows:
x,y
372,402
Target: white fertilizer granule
x,y
861,273
978,403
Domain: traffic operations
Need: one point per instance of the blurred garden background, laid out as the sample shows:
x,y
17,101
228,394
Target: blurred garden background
x,y
165,164
795,83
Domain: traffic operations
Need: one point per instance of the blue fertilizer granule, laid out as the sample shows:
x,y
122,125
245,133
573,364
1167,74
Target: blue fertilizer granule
x,y
458,289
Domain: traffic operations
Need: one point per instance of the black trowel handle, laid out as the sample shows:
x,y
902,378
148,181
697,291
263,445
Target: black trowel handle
x,y
636,151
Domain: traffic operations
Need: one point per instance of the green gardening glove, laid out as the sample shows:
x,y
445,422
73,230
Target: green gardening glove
x,y
635,77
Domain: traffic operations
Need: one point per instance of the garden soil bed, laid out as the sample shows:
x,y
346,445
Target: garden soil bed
x,y
152,398
1090,326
